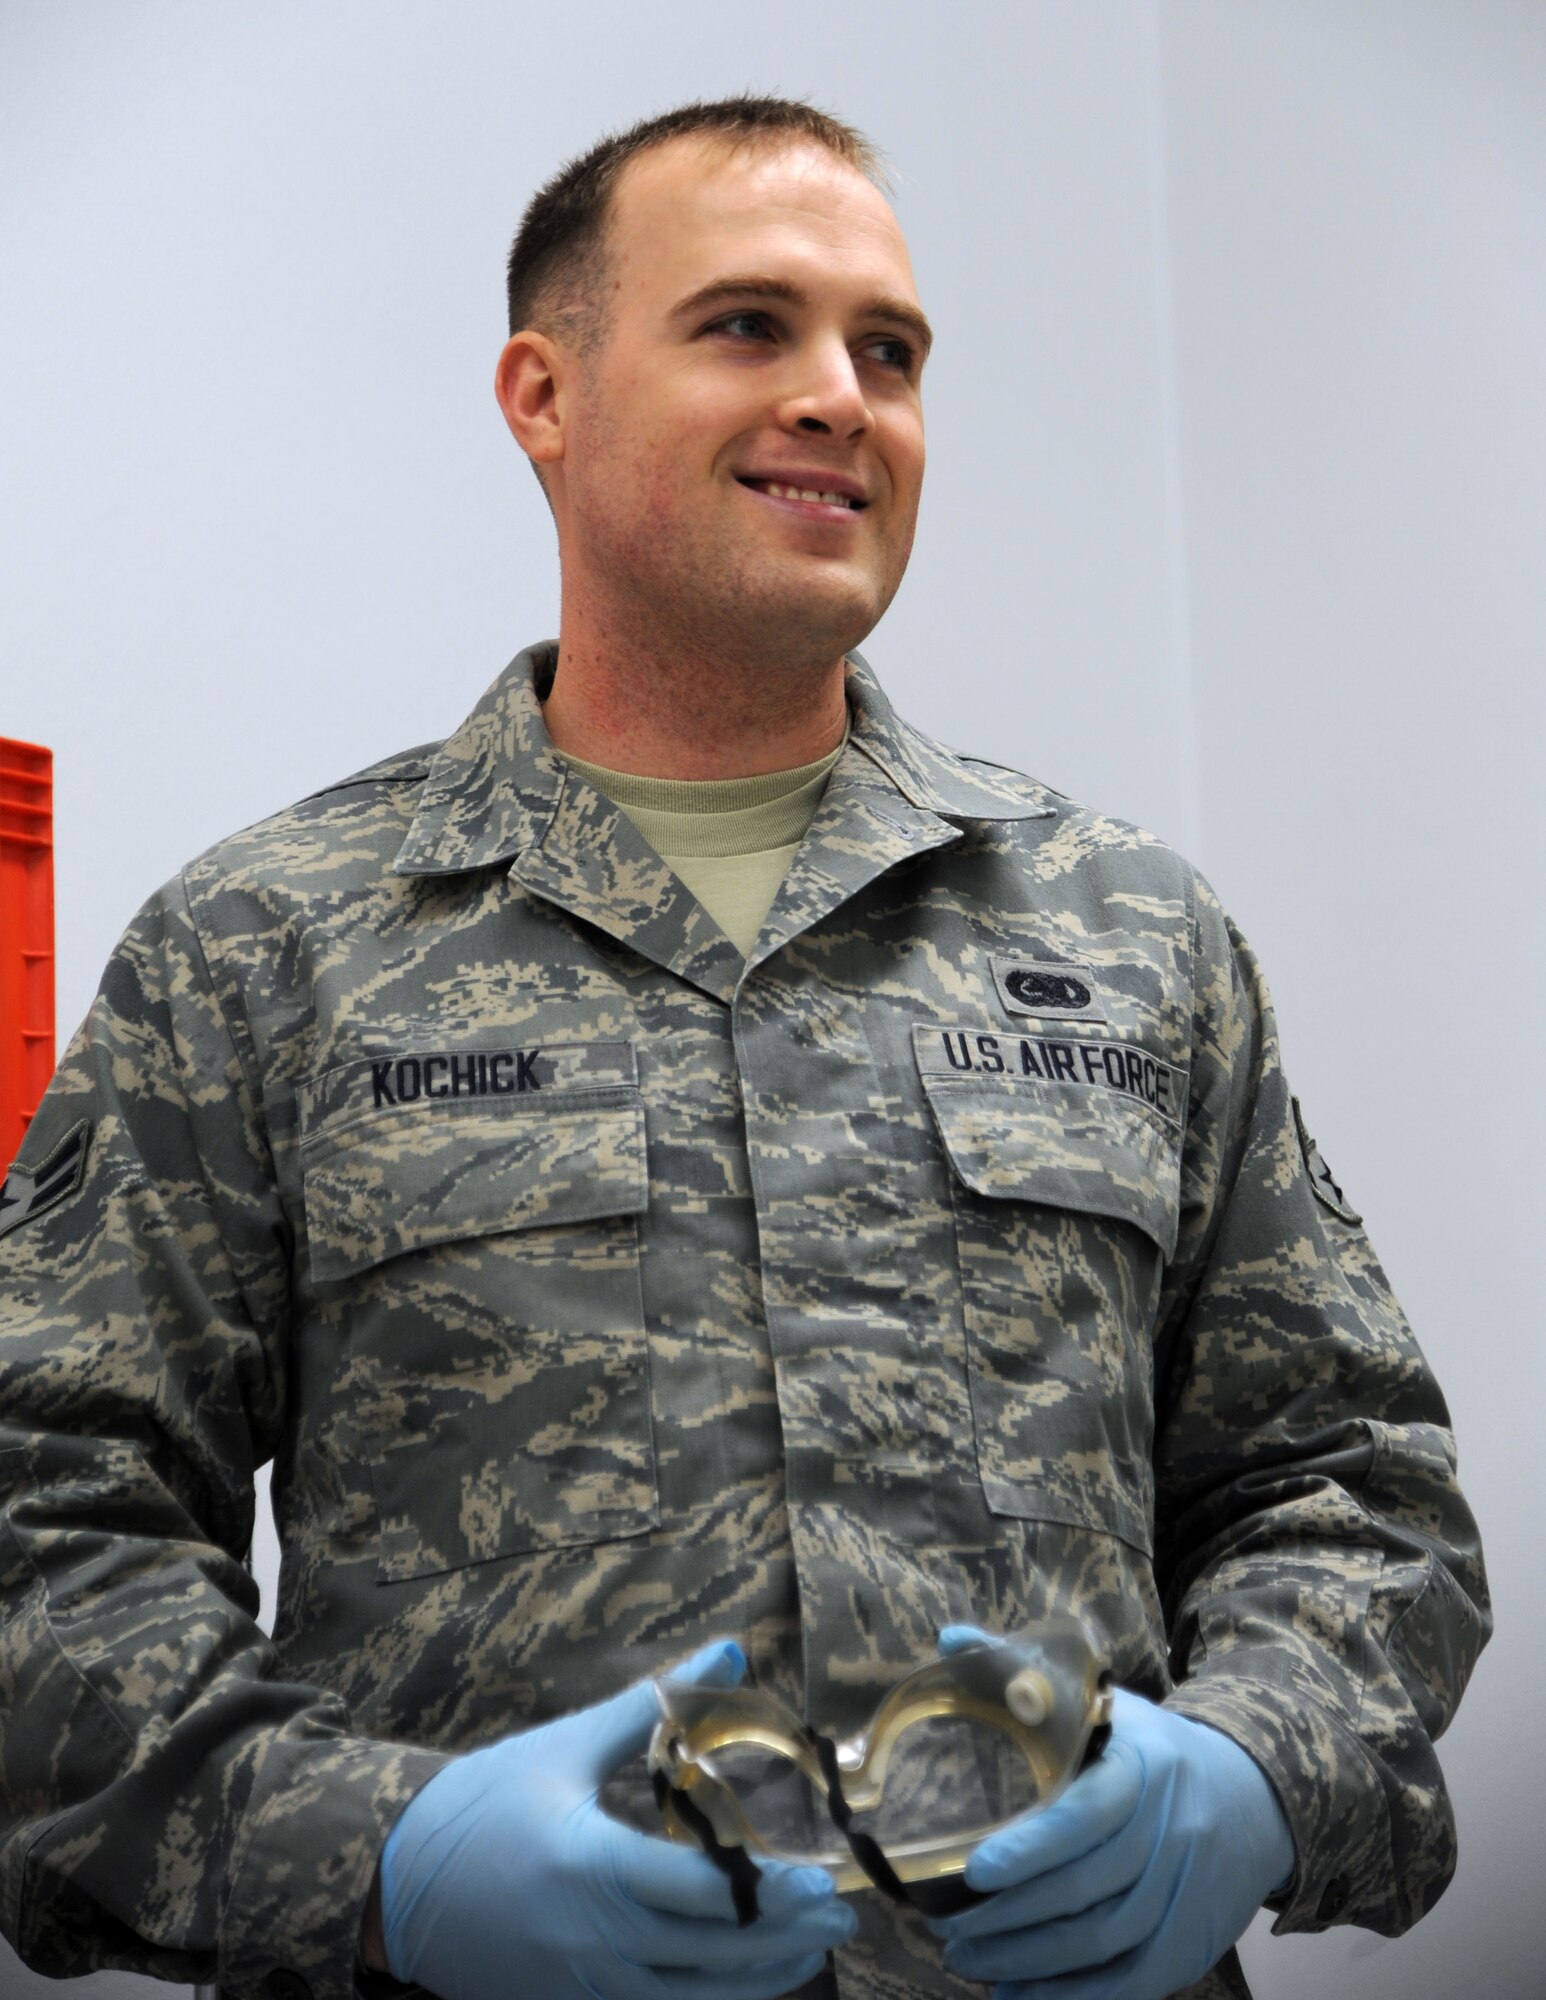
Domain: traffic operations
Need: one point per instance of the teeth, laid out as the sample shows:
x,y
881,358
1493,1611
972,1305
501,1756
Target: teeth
x,y
806,493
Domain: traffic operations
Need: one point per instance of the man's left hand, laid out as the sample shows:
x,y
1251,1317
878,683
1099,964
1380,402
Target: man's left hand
x,y
1134,1882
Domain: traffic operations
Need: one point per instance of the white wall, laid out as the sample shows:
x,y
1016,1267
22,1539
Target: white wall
x,y
1358,230
1233,525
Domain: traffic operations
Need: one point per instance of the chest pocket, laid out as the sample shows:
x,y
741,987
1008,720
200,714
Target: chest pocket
x,y
1066,1192
478,1226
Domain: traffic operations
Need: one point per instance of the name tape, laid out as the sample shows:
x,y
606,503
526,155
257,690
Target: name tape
x,y
421,1078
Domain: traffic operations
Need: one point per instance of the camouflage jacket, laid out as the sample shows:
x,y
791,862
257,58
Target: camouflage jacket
x,y
960,1255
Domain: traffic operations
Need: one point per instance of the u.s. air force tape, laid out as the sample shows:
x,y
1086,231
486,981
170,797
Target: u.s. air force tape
x,y
1091,1061
28,1192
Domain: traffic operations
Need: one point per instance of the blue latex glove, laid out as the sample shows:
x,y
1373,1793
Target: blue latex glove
x,y
504,1875
1137,1879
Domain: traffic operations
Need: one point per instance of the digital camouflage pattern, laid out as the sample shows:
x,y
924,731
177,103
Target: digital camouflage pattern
x,y
596,1293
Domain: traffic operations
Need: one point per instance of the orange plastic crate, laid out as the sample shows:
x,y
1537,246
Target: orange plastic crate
x,y
26,936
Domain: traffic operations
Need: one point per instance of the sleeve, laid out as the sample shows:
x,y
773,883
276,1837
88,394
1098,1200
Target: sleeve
x,y
1322,1574
168,1802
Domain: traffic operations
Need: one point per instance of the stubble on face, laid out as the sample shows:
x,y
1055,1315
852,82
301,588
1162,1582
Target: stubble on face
x,y
670,581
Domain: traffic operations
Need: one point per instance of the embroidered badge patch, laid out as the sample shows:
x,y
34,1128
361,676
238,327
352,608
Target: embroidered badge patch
x,y
1321,1179
28,1192
1047,989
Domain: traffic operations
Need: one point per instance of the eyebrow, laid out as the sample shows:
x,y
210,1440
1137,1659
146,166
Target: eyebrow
x,y
751,286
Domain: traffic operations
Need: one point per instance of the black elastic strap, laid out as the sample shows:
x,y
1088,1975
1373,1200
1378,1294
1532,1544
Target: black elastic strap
x,y
941,1897
735,1862
1100,1735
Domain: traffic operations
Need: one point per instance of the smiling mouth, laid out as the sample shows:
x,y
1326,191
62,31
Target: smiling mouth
x,y
811,495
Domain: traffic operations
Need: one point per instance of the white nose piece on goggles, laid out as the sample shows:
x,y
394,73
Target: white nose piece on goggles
x,y
957,1748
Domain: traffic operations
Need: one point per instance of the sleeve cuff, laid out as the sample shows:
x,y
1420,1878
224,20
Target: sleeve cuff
x,y
321,1807
1326,1783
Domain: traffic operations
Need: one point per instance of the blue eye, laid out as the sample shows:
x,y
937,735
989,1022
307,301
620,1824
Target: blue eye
x,y
895,353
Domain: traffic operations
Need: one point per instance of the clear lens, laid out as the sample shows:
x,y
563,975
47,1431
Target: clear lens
x,y
948,1779
957,1748
775,1801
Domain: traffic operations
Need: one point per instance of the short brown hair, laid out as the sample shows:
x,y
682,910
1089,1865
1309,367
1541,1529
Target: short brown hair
x,y
554,280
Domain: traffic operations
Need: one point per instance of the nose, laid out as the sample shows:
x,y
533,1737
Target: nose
x,y
824,393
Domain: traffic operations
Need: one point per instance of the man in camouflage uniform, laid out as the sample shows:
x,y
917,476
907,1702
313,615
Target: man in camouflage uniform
x,y
948,1249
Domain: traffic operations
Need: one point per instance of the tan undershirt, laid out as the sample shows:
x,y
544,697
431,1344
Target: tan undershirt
x,y
731,840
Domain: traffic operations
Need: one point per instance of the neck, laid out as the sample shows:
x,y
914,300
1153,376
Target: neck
x,y
688,712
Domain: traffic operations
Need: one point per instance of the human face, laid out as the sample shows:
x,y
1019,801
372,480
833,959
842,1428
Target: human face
x,y
764,343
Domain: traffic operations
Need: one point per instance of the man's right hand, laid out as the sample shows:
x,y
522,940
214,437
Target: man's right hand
x,y
503,1874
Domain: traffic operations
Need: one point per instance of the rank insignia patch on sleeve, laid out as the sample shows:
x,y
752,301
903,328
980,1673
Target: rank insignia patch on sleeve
x,y
1321,1179
28,1192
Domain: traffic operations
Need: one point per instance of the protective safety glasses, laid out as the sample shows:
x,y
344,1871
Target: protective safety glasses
x,y
957,1748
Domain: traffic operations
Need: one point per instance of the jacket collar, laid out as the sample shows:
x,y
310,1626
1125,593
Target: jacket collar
x,y
494,788
929,776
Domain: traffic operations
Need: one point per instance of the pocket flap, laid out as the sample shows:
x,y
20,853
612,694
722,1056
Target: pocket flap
x,y
394,1159
1018,1127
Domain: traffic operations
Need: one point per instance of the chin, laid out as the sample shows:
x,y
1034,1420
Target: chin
x,y
818,623
802,635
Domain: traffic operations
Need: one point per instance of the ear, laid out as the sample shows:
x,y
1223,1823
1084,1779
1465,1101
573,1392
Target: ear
x,y
529,382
